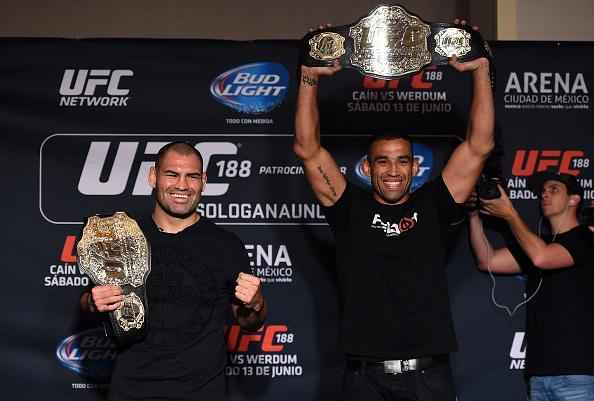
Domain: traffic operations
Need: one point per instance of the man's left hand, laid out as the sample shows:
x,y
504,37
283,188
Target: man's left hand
x,y
471,65
248,290
501,207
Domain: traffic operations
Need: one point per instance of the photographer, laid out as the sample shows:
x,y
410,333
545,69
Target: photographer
x,y
560,324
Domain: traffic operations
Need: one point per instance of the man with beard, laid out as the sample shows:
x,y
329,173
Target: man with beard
x,y
560,286
396,322
198,275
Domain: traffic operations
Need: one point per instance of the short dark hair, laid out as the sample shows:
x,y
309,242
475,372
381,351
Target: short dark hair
x,y
572,185
179,147
537,181
387,137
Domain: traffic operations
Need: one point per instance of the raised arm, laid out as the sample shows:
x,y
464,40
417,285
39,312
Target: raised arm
x,y
321,169
497,260
467,161
543,256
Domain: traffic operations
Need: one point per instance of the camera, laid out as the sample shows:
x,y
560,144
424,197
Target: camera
x,y
486,187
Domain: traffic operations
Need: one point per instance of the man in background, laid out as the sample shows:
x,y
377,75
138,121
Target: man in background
x,y
559,266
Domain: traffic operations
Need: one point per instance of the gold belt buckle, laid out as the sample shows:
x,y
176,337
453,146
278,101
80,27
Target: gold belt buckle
x,y
390,42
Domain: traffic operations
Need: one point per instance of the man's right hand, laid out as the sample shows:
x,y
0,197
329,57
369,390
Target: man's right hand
x,y
106,298
311,75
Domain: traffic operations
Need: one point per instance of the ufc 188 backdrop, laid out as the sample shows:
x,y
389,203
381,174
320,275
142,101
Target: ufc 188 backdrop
x,y
82,121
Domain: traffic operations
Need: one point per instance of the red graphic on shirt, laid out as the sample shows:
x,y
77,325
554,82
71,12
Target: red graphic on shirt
x,y
407,223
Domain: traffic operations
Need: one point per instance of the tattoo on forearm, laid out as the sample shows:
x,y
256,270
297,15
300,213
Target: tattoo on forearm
x,y
327,179
309,80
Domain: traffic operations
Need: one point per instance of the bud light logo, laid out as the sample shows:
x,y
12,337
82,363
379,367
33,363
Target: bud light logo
x,y
422,154
90,354
252,88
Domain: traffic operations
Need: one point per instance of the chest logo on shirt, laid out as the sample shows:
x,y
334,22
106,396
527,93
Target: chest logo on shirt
x,y
394,229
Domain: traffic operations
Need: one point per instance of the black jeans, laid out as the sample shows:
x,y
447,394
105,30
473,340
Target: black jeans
x,y
372,384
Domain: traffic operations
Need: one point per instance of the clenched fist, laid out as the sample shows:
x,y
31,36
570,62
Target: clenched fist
x,y
248,290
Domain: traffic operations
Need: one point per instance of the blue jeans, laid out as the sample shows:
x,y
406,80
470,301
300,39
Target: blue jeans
x,y
562,388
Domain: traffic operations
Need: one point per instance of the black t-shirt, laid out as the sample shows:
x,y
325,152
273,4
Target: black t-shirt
x,y
391,271
190,289
560,318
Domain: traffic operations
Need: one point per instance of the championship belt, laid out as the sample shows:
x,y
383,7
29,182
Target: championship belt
x,y
392,43
114,251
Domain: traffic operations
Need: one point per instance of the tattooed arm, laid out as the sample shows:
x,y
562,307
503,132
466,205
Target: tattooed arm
x,y
321,170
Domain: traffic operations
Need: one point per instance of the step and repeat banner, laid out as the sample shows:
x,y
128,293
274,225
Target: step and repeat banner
x,y
82,122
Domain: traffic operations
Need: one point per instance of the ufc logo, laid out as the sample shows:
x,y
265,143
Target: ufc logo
x,y
87,82
265,337
527,162
68,254
90,182
417,81
518,348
